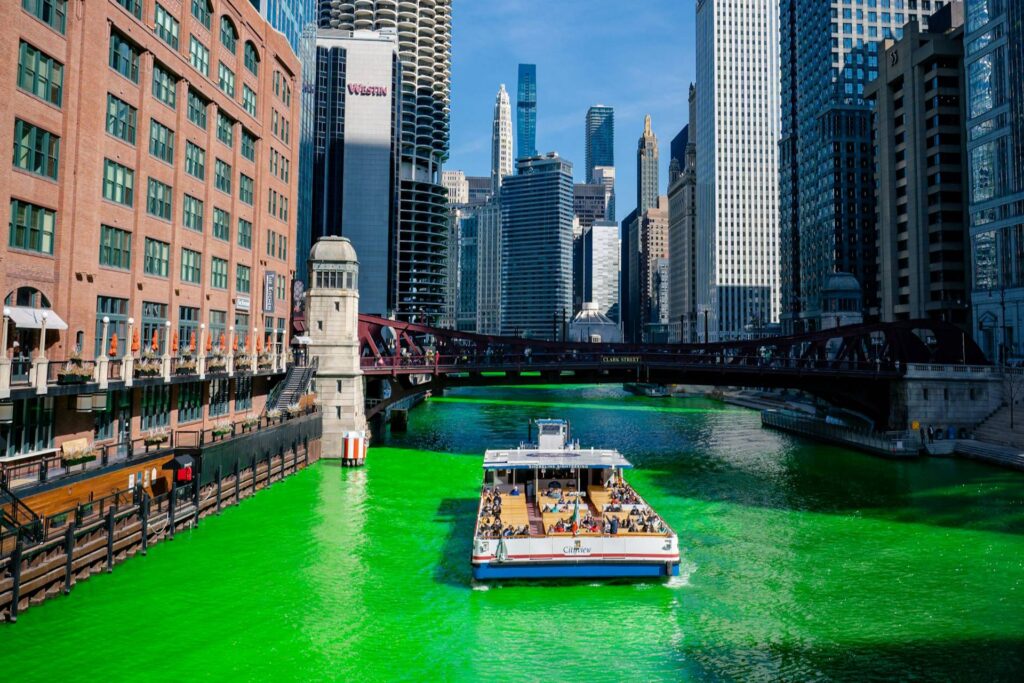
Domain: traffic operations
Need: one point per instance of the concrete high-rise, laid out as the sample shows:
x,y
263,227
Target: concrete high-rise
x,y
501,140
355,159
920,169
424,47
536,277
828,53
488,283
682,233
600,139
526,112
605,175
457,185
994,66
737,104
598,256
652,270
629,246
647,169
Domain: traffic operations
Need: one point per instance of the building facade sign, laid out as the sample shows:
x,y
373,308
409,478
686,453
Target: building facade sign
x,y
367,90
269,285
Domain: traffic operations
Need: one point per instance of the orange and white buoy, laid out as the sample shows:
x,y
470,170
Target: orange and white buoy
x,y
353,449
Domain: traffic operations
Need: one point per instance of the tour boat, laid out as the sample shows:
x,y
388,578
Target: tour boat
x,y
551,509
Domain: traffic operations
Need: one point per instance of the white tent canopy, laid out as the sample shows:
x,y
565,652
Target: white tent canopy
x,y
32,318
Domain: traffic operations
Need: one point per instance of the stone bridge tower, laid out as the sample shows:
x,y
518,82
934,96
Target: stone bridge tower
x,y
332,314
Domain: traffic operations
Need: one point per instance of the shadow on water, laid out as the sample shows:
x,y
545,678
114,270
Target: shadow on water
x,y
453,567
973,659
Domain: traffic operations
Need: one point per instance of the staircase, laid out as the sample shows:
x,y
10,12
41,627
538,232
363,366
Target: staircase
x,y
536,523
295,384
18,517
1005,456
996,428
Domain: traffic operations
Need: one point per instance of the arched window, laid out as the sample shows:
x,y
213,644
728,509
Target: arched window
x,y
228,33
27,296
252,58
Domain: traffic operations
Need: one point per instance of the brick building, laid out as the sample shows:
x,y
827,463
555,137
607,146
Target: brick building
x,y
153,185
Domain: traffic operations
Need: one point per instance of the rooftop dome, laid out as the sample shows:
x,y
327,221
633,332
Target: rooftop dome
x,y
333,248
841,282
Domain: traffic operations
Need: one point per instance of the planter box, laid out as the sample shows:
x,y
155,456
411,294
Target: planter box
x,y
73,379
80,460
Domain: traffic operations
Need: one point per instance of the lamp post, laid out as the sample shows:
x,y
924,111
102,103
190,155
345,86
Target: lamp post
x,y
103,346
7,319
42,335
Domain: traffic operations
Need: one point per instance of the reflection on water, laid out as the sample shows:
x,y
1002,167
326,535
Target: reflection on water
x,y
801,561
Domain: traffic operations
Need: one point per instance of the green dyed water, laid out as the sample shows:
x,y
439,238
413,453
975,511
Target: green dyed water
x,y
802,562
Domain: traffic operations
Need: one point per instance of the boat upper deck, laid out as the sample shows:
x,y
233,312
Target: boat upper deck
x,y
533,458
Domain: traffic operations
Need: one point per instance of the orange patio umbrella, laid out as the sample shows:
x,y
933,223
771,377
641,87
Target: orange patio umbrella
x,y
174,342
270,344
221,343
192,342
259,344
113,345
156,340
209,343
135,341
234,344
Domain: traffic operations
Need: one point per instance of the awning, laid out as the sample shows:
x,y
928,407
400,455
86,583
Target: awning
x,y
32,318
301,340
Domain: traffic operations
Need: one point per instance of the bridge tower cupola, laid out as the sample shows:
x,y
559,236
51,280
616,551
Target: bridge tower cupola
x,y
332,314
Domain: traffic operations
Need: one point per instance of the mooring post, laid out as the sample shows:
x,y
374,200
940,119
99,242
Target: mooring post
x,y
254,473
218,489
170,512
69,560
16,580
305,456
238,484
145,523
110,537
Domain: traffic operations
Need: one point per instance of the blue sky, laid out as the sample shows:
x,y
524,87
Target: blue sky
x,y
636,56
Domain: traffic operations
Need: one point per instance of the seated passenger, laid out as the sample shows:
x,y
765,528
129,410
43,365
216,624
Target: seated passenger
x,y
514,491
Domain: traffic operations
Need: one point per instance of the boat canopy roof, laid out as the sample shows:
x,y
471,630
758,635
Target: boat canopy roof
x,y
569,458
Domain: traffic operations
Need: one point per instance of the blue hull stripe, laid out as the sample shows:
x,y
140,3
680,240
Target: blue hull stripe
x,y
551,570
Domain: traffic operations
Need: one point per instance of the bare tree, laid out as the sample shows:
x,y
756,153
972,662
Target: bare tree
x,y
1013,389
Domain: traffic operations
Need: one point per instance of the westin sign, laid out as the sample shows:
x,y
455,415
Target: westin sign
x,y
367,90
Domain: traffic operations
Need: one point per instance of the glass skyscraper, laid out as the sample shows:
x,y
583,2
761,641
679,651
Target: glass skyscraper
x,y
828,53
536,251
994,65
600,140
526,112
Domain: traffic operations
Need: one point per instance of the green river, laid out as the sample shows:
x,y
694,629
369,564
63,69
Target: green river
x,y
802,562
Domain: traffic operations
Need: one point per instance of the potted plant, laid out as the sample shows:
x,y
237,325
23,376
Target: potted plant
x,y
155,437
77,456
250,421
294,410
274,415
149,364
221,429
264,361
185,366
216,362
73,373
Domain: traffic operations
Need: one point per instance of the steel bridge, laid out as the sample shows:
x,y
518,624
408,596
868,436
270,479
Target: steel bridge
x,y
856,367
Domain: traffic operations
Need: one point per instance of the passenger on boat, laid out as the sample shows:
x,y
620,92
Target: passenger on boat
x,y
514,491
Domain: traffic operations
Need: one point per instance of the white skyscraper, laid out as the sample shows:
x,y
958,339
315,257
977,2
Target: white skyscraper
x,y
737,169
501,140
457,185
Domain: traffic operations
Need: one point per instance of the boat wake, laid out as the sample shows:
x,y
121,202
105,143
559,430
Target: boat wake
x,y
686,570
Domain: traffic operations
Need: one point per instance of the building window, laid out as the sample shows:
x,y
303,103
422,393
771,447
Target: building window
x,y
221,224
226,79
242,279
222,176
195,160
242,330
190,402
225,129
133,6
159,199
201,10
245,188
31,227
228,34
31,429
218,326
248,145
199,56
164,86
191,266
124,57
121,119
40,74
36,150
118,183
218,397
166,26
192,210
115,248
252,59
157,260
249,100
188,326
244,233
161,141
154,322
104,425
117,311
156,407
196,109
54,12
243,393
218,273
